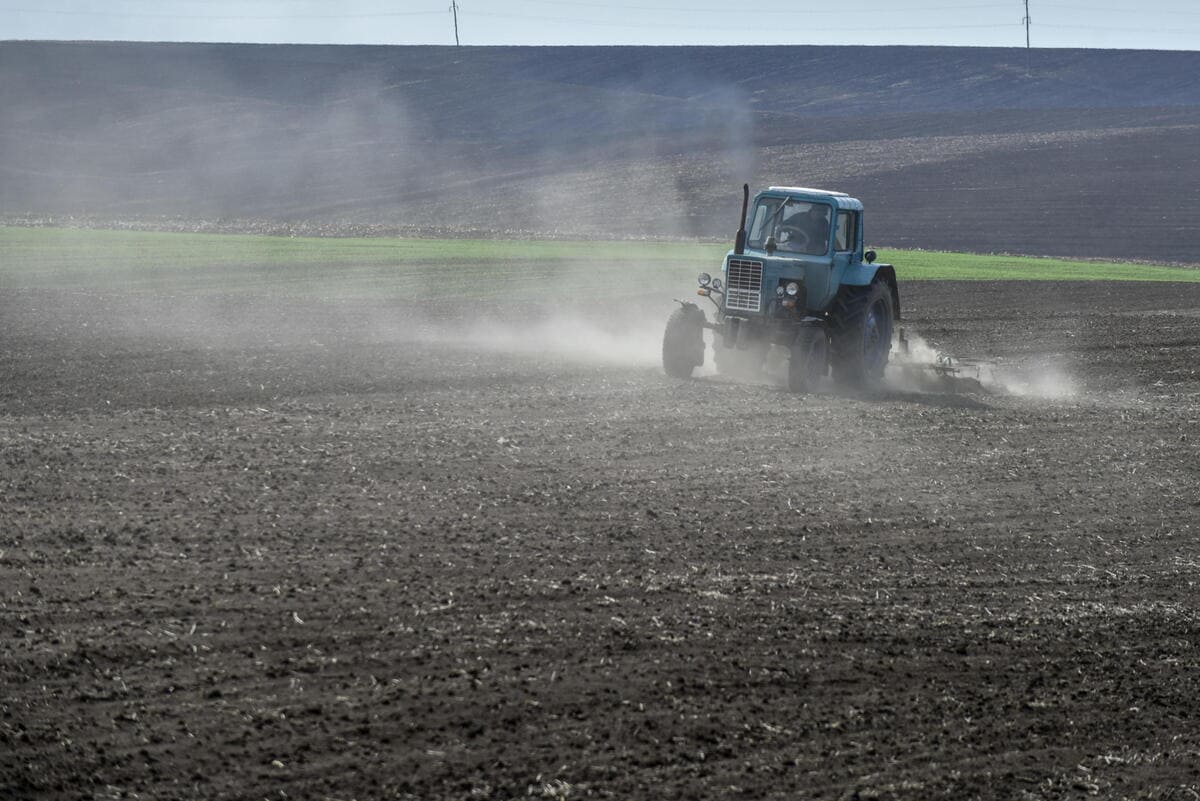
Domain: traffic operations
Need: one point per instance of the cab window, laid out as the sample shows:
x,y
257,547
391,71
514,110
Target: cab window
x,y
847,230
798,226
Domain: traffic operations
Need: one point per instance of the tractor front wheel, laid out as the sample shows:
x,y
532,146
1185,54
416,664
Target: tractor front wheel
x,y
808,360
683,341
861,333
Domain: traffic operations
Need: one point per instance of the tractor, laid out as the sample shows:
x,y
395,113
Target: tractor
x,y
797,278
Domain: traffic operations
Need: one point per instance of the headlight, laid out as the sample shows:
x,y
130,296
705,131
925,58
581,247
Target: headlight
x,y
793,289
705,279
779,291
716,283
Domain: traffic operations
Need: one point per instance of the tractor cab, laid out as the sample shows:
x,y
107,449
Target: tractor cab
x,y
801,235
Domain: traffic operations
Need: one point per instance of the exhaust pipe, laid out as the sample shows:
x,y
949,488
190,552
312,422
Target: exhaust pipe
x,y
739,245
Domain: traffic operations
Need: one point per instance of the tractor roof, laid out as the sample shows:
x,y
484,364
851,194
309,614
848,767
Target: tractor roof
x,y
839,199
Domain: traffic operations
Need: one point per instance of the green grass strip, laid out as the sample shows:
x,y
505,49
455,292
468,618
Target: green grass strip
x,y
922,265
59,257
104,250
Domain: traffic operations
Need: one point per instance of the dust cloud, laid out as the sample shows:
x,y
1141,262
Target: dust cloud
x,y
1050,381
636,343
335,141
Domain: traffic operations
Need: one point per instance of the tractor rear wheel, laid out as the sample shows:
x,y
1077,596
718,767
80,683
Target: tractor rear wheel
x,y
683,341
861,333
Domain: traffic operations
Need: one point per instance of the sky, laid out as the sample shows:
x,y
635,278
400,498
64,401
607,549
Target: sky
x,y
1145,24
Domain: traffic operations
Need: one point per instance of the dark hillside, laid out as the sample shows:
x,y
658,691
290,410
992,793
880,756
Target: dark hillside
x,y
1095,202
833,81
977,149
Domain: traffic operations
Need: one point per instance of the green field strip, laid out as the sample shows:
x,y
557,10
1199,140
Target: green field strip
x,y
96,249
923,265
444,268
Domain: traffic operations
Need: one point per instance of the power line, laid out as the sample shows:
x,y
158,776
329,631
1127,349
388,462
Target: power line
x,y
454,9
1162,13
785,21
1111,28
153,15
608,24
763,11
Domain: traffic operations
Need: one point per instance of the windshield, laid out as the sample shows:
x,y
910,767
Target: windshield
x,y
797,225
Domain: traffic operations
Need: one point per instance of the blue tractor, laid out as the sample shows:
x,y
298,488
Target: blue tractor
x,y
797,278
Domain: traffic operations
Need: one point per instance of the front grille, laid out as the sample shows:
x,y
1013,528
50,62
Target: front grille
x,y
744,285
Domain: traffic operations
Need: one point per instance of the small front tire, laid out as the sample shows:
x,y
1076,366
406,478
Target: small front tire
x,y
808,360
683,341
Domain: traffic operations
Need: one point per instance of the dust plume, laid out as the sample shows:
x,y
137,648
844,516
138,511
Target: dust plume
x,y
1049,380
338,140
630,342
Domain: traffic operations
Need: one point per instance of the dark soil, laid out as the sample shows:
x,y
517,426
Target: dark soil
x,y
273,557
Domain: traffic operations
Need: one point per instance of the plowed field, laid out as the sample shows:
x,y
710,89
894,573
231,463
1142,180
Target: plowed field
x,y
267,551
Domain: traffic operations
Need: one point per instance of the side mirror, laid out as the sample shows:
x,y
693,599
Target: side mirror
x,y
771,245
869,257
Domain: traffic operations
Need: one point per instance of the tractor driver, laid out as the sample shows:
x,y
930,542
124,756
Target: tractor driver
x,y
807,232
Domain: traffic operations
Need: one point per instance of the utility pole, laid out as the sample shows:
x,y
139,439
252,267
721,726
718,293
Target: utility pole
x,y
454,11
1026,20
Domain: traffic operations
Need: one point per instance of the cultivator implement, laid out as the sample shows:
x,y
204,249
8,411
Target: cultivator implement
x,y
942,371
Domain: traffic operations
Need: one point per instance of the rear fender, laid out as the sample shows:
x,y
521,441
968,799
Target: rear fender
x,y
863,274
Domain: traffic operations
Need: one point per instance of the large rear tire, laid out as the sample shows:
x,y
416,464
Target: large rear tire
x,y
683,341
861,334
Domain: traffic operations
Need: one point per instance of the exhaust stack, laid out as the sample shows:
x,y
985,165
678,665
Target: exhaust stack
x,y
739,245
